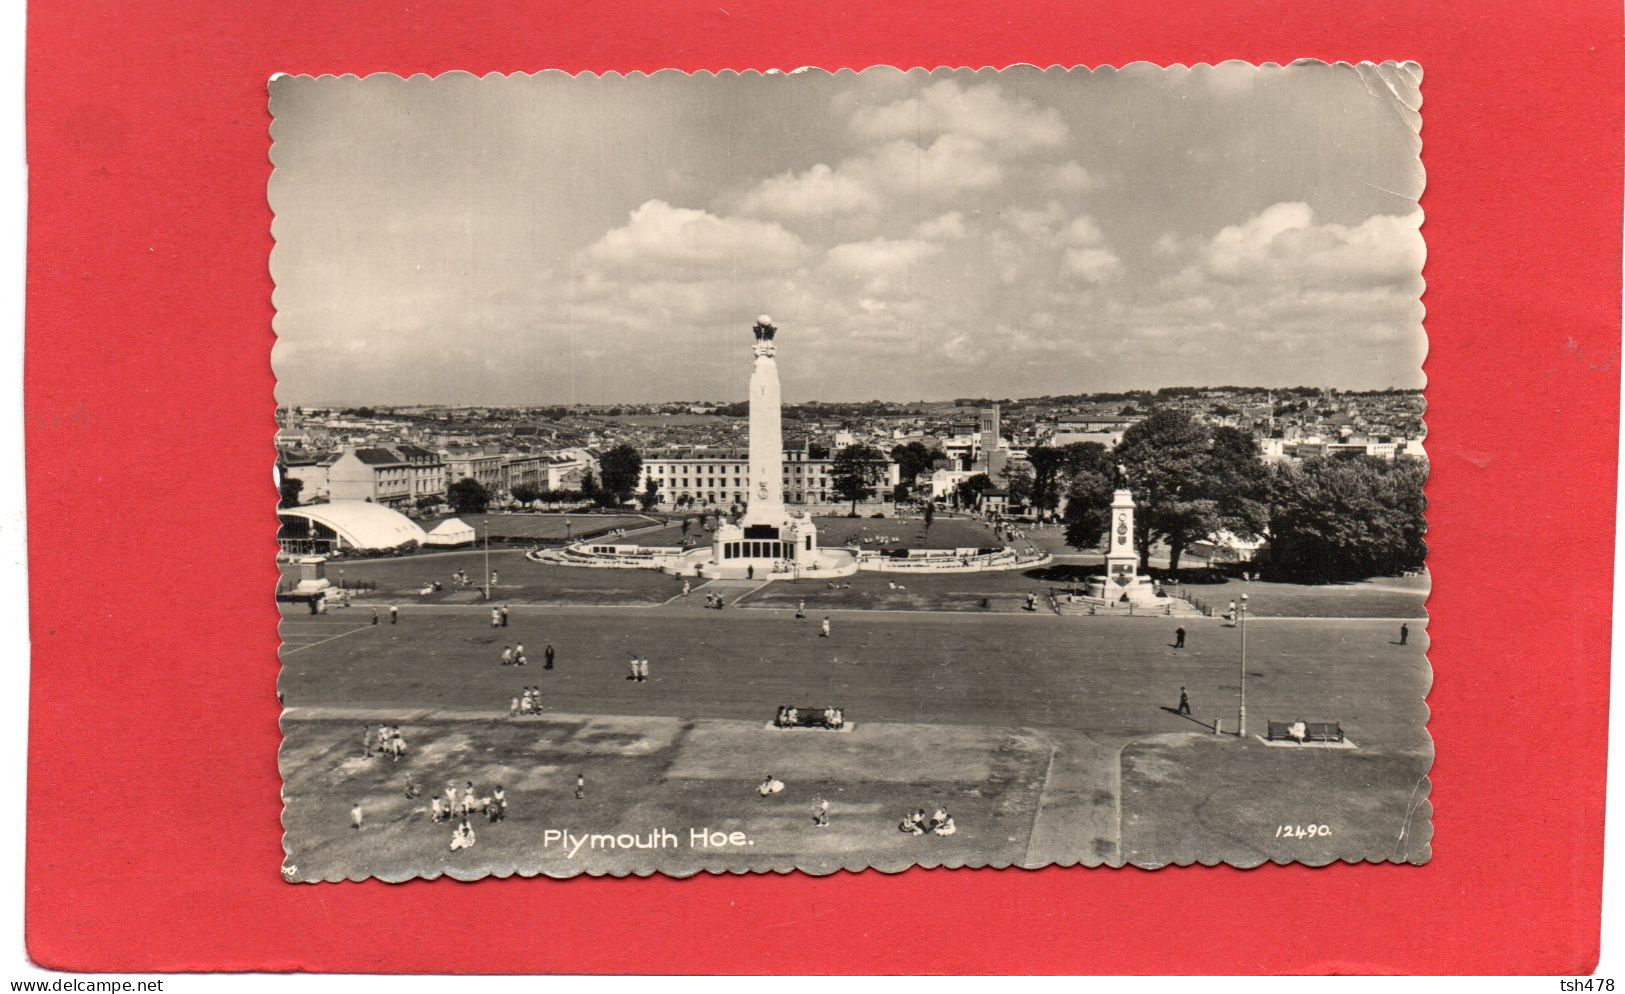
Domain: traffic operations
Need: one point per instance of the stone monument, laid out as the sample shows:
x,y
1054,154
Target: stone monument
x,y
767,539
1123,584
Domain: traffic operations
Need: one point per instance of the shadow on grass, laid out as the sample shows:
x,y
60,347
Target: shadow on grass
x,y
1195,721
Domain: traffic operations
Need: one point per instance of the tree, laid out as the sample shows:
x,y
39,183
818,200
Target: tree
x,y
290,488
468,496
428,503
854,472
1347,519
900,493
651,494
1167,457
526,494
969,491
1088,507
589,486
618,471
912,460
1239,482
1018,480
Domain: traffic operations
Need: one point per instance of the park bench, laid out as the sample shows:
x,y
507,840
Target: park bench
x,y
791,716
1314,731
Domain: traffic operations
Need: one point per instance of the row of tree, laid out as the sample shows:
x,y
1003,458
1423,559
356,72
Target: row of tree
x,y
1326,518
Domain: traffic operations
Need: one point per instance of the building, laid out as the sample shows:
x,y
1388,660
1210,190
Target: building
x,y
485,468
522,469
718,477
323,529
371,474
428,472
1107,429
310,469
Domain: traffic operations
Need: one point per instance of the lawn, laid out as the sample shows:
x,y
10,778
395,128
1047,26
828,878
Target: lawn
x,y
944,533
1192,798
1003,591
1384,597
519,581
548,528
655,775
966,702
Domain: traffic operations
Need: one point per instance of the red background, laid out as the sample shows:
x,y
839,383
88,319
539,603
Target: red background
x,y
153,833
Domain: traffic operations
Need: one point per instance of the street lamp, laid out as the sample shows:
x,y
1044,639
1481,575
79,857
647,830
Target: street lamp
x,y
487,526
1241,723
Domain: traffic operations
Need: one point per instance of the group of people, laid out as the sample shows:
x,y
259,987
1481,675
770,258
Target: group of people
x,y
529,701
461,579
514,655
639,669
916,823
386,741
462,809
790,717
713,601
499,616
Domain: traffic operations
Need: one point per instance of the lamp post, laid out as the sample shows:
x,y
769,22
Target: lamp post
x,y
487,526
1241,723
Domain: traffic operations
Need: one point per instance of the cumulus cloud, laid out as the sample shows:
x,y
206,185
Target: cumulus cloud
x,y
661,238
1070,177
980,111
1283,243
816,192
949,226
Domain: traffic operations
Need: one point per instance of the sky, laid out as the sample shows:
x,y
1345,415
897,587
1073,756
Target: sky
x,y
548,239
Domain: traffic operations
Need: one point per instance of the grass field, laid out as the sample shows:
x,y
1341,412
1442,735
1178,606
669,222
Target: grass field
x,y
1386,597
399,580
911,533
1003,591
545,527
1181,792
645,774
1014,721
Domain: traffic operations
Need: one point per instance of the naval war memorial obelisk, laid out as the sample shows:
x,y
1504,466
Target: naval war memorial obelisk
x,y
767,538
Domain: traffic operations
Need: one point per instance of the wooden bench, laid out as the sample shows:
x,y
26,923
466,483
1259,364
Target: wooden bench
x,y
808,717
1314,731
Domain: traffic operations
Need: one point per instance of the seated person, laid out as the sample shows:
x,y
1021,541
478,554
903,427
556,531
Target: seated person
x,y
937,818
946,827
1298,730
912,823
792,717
769,786
463,838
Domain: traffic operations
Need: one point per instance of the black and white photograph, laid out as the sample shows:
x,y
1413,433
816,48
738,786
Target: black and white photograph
x,y
809,471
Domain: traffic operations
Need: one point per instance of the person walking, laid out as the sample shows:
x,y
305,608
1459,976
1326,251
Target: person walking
x,y
375,617
1184,702
504,612
1404,633
507,655
547,657
356,816
823,628
519,654
581,786
496,618
394,614
633,667
643,669
1179,637
801,610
